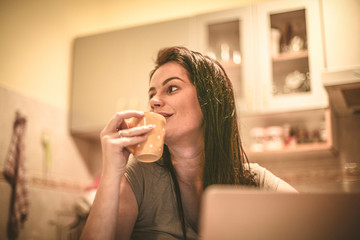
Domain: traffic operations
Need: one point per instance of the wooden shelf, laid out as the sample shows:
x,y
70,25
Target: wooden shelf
x,y
301,151
311,120
300,148
290,56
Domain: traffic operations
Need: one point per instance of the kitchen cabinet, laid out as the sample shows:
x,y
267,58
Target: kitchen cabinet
x,y
111,71
341,34
341,77
277,81
228,37
290,56
293,110
272,52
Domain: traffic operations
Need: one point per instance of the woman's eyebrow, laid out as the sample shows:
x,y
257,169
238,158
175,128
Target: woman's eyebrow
x,y
166,81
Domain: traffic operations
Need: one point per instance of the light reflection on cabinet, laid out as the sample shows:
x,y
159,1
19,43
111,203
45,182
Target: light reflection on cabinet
x,y
226,36
224,45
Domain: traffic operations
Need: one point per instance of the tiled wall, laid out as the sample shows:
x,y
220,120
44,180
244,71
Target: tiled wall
x,y
53,190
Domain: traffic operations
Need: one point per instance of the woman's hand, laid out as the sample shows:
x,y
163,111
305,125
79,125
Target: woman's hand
x,y
115,154
114,190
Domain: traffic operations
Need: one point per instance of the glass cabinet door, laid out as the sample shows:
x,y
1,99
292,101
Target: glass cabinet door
x,y
290,59
223,36
290,53
224,45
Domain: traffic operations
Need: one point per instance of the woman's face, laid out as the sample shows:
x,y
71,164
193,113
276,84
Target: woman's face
x,y
172,95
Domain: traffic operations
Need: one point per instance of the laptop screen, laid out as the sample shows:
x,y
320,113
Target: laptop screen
x,y
239,213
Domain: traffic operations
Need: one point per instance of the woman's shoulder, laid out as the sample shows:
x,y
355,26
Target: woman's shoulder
x,y
264,178
255,168
144,167
144,177
141,172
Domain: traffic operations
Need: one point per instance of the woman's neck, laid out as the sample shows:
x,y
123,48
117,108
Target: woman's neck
x,y
188,164
188,161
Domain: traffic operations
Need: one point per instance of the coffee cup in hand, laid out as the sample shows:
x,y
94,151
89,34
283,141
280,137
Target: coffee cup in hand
x,y
152,148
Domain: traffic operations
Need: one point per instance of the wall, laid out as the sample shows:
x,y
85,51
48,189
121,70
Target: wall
x,y
55,183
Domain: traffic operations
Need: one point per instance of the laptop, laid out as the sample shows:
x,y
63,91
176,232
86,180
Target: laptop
x,y
233,213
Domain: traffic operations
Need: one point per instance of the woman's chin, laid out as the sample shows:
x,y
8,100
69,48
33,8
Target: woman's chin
x,y
169,138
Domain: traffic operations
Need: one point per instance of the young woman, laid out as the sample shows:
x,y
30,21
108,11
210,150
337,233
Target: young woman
x,y
161,200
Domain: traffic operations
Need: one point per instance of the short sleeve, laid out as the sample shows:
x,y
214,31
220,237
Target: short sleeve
x,y
264,178
135,176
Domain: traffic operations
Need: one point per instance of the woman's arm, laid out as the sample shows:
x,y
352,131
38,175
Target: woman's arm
x,y
128,211
110,215
114,210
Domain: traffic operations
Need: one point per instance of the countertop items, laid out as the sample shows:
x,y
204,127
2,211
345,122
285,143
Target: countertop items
x,y
272,138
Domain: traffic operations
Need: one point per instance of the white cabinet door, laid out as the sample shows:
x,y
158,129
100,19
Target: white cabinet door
x,y
341,33
111,71
227,36
290,56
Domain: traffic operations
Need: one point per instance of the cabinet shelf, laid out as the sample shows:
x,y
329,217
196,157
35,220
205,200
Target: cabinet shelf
x,y
302,152
290,56
300,148
309,119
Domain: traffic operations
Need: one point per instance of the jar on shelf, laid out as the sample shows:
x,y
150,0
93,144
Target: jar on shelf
x,y
323,132
274,138
258,136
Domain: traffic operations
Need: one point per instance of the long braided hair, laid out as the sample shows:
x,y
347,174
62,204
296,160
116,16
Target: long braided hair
x,y
225,160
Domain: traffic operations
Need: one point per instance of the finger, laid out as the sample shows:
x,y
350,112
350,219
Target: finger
x,y
119,117
129,141
136,131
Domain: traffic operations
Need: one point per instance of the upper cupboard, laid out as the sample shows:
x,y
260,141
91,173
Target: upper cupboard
x,y
111,71
272,52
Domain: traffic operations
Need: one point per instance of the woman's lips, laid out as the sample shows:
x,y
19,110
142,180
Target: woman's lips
x,y
166,115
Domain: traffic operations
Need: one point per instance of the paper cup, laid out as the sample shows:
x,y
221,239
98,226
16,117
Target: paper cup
x,y
150,150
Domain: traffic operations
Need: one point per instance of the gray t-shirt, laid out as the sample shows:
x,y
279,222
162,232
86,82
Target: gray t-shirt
x,y
154,191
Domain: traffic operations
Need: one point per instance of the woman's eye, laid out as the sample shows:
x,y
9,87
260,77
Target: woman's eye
x,y
172,89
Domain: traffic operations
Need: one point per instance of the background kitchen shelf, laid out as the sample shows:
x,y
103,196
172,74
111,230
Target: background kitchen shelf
x,y
308,120
303,151
290,56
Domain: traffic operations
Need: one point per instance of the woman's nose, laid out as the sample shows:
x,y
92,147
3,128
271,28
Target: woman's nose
x,y
155,102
